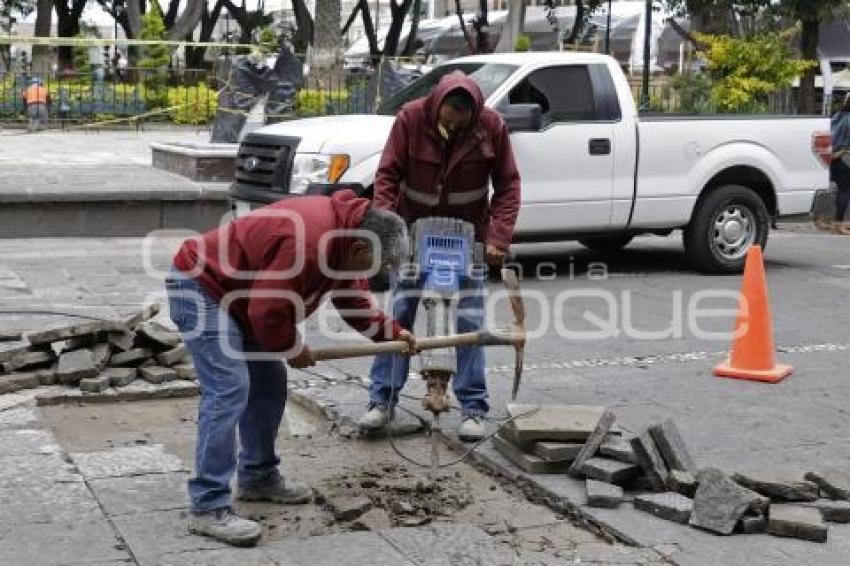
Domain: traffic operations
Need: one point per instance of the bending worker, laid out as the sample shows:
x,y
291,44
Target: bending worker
x,y
443,152
36,99
236,294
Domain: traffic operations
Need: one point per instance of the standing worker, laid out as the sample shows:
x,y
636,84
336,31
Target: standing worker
x,y
236,294
443,152
36,99
839,169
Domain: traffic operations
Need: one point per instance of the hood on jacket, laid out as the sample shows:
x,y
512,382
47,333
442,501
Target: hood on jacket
x,y
349,210
456,80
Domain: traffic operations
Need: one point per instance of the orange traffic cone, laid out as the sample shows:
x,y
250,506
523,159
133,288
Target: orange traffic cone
x,y
753,354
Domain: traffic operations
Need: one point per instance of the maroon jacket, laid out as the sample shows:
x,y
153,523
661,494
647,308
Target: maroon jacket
x,y
265,242
420,175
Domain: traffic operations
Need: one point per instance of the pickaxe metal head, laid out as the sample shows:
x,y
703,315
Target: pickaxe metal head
x,y
518,325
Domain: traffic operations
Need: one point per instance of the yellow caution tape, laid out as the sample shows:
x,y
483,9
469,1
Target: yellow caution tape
x,y
98,42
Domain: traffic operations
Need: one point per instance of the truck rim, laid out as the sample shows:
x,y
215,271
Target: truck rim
x,y
733,232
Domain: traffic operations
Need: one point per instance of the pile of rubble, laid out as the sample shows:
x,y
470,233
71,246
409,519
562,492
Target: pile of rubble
x,y
95,355
657,471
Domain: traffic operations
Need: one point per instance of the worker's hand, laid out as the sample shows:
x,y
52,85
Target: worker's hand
x,y
302,359
495,257
408,337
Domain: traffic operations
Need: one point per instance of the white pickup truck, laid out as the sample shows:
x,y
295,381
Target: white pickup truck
x,y
592,170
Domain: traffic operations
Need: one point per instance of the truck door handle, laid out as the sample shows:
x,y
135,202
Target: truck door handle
x,y
599,146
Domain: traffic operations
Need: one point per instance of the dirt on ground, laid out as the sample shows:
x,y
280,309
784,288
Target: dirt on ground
x,y
368,476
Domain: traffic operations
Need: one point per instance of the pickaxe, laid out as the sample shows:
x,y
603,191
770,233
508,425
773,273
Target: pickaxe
x,y
512,336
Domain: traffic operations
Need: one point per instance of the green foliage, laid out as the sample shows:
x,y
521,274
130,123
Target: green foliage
x,y
743,72
311,102
522,44
268,40
196,104
693,92
153,28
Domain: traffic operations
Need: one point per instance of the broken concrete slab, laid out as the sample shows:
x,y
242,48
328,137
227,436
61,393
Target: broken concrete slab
x,y
12,382
130,357
186,371
32,359
94,384
75,366
591,445
778,487
123,340
650,460
142,315
603,494
349,508
86,341
10,350
682,482
671,446
835,484
48,376
831,510
157,334
719,502
120,377
610,471
669,505
618,448
173,356
372,520
100,354
559,423
796,521
74,331
157,374
557,451
752,525
525,461
11,335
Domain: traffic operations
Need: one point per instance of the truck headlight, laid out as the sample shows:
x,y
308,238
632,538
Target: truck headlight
x,y
316,168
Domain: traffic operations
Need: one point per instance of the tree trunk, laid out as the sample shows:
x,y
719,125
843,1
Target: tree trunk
x,y
513,26
398,13
195,55
411,46
482,27
68,25
369,30
303,26
809,49
578,23
326,55
188,20
470,46
40,53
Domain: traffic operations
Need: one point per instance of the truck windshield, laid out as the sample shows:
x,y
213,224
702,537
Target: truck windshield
x,y
488,76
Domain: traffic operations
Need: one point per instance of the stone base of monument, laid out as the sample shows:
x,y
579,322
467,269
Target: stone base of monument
x,y
196,161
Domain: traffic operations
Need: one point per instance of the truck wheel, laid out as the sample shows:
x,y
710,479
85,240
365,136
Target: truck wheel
x,y
606,245
726,223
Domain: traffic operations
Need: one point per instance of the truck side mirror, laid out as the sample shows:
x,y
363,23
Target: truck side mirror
x,y
523,117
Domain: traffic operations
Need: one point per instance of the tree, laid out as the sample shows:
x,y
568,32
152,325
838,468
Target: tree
x,y
513,26
399,11
325,60
43,19
711,16
68,14
584,9
249,21
10,11
153,29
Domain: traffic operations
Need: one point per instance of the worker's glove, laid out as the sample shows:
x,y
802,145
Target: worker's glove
x,y
302,359
407,336
495,257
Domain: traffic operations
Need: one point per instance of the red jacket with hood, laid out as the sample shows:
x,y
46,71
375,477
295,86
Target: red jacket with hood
x,y
242,264
421,175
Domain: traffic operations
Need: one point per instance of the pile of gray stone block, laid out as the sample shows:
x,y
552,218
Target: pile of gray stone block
x,y
655,471
95,355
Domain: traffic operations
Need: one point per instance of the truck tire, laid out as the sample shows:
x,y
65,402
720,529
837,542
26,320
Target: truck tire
x,y
726,222
606,244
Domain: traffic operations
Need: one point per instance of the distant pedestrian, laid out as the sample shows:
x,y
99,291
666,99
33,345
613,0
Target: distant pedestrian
x,y
839,169
36,99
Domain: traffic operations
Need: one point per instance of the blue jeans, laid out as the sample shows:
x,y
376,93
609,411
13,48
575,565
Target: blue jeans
x,y
234,391
389,371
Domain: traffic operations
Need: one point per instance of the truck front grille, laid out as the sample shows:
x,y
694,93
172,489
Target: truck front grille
x,y
265,162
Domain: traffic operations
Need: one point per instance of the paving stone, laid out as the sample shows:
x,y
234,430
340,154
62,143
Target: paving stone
x,y
796,521
372,520
557,451
559,423
719,502
10,350
833,511
602,494
341,549
75,331
17,381
591,445
141,494
94,384
153,535
86,341
454,544
671,446
18,417
48,376
682,482
670,505
100,354
778,488
32,359
126,461
618,448
650,460
752,525
157,374
11,335
89,543
835,484
130,357
120,377
186,371
611,471
157,334
349,508
226,557
76,365
5,367
143,314
173,356
39,499
123,340
528,462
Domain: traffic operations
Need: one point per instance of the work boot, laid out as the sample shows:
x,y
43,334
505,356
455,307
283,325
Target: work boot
x,y
279,491
375,418
471,429
224,525
842,228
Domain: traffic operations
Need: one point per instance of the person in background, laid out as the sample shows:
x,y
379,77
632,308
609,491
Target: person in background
x,y
839,170
36,99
